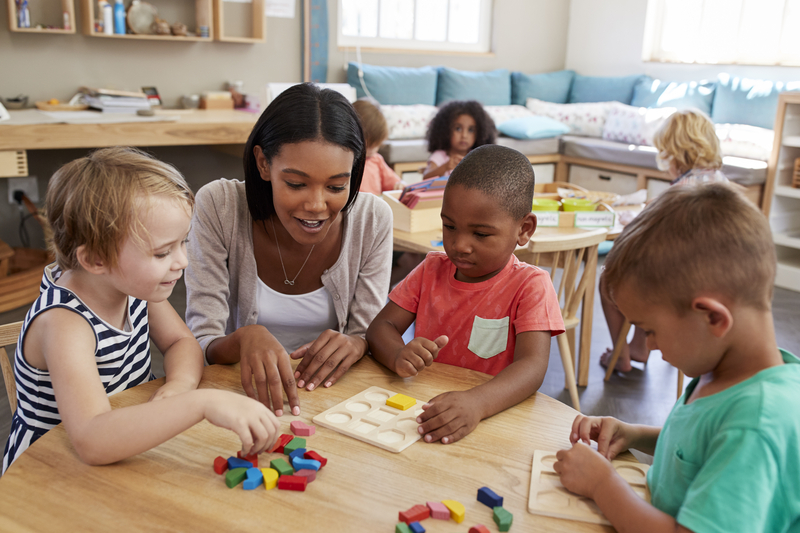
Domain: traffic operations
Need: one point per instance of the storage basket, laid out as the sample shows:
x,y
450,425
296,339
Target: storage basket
x,y
796,174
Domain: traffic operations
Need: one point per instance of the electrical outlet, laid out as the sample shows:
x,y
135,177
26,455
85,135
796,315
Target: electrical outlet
x,y
27,185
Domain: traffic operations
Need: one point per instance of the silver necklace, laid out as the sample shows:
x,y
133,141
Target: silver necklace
x,y
286,280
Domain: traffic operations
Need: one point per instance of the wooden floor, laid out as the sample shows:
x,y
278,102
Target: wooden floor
x,y
643,396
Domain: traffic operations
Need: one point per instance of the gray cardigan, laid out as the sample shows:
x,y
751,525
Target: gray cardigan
x,y
221,277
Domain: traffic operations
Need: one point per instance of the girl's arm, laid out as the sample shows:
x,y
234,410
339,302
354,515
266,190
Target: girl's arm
x,y
433,170
101,435
183,358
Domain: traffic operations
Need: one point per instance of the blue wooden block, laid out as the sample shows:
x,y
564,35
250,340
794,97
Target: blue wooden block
x,y
488,497
307,464
416,527
235,462
254,479
297,453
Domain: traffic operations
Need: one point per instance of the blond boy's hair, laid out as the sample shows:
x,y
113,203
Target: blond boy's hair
x,y
93,202
696,240
372,122
689,137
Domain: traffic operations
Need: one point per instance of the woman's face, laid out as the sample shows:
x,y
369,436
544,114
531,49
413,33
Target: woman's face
x,y
310,186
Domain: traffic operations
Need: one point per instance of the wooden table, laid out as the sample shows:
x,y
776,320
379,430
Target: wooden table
x,y
362,488
421,242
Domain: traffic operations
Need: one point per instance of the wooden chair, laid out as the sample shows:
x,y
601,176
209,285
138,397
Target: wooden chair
x,y
620,342
9,333
566,251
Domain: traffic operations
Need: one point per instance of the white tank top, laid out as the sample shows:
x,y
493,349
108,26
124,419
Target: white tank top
x,y
295,319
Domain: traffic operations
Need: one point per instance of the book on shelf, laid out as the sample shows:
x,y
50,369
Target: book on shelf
x,y
111,92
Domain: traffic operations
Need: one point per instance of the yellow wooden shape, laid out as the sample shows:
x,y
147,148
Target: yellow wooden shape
x,y
457,510
401,401
270,477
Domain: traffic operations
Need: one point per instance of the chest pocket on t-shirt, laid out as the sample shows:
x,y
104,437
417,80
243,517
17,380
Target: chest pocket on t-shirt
x,y
489,337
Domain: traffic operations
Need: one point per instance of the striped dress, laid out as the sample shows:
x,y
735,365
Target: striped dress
x,y
123,361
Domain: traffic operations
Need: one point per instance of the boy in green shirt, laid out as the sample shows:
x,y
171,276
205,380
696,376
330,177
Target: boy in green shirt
x,y
695,270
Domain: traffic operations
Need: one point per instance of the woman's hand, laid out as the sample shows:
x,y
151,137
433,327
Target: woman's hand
x,y
264,360
327,358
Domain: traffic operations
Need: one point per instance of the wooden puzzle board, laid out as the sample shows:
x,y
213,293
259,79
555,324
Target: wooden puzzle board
x,y
548,497
366,417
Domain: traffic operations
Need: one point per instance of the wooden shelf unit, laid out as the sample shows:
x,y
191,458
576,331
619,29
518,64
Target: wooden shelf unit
x,y
67,6
259,21
202,7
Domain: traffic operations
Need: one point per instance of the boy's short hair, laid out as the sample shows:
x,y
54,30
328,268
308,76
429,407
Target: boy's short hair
x,y
372,121
92,201
500,172
689,137
696,239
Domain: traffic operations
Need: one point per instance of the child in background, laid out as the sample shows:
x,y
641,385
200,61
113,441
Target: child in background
x,y
120,220
695,271
457,128
476,305
689,151
378,176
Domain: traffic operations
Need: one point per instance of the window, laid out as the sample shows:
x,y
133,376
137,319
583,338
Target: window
x,y
744,32
442,25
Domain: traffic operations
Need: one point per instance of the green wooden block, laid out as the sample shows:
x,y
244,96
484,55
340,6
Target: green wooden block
x,y
402,527
502,518
294,444
235,476
282,467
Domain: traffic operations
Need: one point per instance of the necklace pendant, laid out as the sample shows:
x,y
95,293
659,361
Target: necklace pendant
x,y
287,282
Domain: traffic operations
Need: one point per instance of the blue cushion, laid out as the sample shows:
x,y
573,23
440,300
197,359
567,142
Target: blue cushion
x,y
745,101
681,94
488,88
550,87
395,85
598,89
536,127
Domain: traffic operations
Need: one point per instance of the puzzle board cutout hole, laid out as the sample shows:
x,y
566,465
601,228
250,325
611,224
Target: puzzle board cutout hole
x,y
358,407
338,418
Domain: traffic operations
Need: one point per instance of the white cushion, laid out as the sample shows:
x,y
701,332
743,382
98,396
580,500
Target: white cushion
x,y
583,119
408,121
504,113
634,125
743,140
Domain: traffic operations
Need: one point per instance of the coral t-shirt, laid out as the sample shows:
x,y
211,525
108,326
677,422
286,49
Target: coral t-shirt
x,y
378,176
481,319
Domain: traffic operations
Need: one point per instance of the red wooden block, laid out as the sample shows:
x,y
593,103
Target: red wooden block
x,y
282,441
301,429
415,514
292,483
316,457
307,473
480,528
220,465
252,458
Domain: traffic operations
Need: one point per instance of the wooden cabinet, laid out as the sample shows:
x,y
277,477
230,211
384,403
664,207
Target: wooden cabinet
x,y
40,13
249,14
202,15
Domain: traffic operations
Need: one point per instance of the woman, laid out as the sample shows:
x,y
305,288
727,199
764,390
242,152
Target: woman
x,y
293,262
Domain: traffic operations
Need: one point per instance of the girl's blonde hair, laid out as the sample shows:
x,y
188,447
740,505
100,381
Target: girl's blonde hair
x,y
372,122
93,202
688,136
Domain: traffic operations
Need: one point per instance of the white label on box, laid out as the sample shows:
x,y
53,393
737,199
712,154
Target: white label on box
x,y
546,219
594,219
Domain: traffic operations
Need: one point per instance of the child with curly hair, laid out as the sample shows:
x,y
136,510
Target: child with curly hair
x,y
457,128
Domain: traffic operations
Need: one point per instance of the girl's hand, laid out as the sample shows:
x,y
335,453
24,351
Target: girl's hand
x,y
264,360
253,422
612,435
450,417
454,161
417,354
327,358
172,388
583,470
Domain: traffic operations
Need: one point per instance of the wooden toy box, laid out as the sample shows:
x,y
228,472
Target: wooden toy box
x,y
425,216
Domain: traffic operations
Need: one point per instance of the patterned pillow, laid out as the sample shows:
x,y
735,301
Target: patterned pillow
x,y
742,140
634,125
503,113
408,121
583,119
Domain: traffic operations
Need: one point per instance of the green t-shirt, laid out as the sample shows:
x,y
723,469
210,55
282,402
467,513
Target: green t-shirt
x,y
731,461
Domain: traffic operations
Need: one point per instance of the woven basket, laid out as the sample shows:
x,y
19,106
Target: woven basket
x,y
796,175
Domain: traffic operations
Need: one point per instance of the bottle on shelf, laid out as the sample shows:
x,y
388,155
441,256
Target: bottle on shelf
x,y
119,18
24,15
108,17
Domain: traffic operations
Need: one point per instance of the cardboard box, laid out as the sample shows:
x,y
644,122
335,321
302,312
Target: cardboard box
x,y
425,216
216,103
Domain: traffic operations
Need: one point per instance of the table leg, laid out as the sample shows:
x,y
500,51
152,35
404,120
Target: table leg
x,y
586,316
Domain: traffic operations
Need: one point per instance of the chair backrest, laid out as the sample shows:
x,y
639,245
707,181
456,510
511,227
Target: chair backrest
x,y
566,249
9,333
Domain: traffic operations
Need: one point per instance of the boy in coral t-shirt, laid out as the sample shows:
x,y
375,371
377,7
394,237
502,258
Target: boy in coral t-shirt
x,y
476,305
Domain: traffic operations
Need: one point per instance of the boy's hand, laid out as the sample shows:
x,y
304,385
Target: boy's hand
x,y
612,435
327,358
582,470
251,420
417,354
449,417
172,388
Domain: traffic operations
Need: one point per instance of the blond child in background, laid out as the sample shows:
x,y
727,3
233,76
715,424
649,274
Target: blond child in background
x,y
689,151
695,271
476,305
378,176
120,220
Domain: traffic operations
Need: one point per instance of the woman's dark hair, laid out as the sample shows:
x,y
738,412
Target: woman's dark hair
x,y
302,112
441,127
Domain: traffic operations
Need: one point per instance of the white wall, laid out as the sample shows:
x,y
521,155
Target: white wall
x,y
605,39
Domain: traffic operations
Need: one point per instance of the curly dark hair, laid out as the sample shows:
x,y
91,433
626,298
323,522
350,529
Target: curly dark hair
x,y
440,128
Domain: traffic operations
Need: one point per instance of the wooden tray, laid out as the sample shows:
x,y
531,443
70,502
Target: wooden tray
x,y
44,106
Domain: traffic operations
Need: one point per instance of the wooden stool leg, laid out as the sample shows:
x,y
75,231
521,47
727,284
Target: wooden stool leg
x,y
680,382
569,370
622,338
